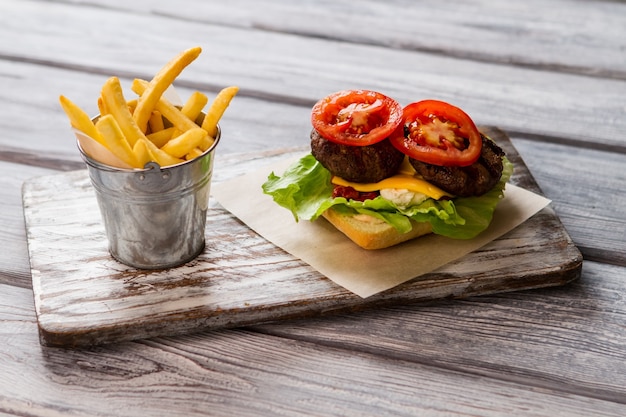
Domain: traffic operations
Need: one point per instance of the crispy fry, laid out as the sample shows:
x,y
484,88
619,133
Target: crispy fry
x,y
157,155
115,141
116,105
192,108
161,81
79,119
193,154
167,109
183,144
141,153
156,121
131,105
207,142
161,137
194,105
215,112
122,125
102,107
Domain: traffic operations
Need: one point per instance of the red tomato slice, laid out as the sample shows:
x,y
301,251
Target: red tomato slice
x,y
356,117
438,133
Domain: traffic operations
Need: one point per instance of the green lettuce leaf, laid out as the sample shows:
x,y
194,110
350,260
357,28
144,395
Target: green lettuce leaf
x,y
305,190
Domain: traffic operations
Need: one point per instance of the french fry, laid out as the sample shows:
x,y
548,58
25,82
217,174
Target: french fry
x,y
216,111
167,109
161,137
193,154
183,144
131,105
141,153
194,105
115,141
123,125
207,142
157,155
156,121
116,105
161,81
80,120
175,116
102,107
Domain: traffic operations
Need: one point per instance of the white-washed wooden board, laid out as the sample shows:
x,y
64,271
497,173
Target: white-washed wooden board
x,y
84,297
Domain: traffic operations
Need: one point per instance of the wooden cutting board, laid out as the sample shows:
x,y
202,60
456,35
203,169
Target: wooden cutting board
x,y
84,297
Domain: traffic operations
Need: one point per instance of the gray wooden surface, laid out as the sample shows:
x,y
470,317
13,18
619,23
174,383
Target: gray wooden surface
x,y
552,75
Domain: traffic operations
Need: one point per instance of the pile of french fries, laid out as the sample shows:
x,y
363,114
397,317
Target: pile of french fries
x,y
151,128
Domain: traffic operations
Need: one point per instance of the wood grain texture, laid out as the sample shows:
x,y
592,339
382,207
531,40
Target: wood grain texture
x,y
501,32
451,358
14,260
568,338
248,374
272,66
588,195
84,297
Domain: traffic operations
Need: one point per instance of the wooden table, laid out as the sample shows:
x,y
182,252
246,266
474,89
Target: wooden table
x,y
552,75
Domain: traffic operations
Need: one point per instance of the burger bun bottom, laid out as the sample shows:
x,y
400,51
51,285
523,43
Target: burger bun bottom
x,y
371,233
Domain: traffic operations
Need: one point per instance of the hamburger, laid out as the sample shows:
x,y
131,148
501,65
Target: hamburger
x,y
383,174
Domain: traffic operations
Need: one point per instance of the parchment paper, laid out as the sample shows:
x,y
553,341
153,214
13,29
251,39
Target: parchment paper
x,y
363,272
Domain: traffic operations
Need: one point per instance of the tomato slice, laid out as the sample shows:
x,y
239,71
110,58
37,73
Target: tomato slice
x,y
438,133
356,117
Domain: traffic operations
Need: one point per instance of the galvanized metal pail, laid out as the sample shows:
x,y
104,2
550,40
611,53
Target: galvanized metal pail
x,y
154,217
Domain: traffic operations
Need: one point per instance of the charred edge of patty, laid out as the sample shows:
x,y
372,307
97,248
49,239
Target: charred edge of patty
x,y
472,180
363,164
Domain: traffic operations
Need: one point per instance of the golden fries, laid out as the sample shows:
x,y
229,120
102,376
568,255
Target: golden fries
x,y
193,154
194,105
185,143
115,141
156,121
164,78
157,155
116,105
222,101
141,153
167,109
161,137
79,119
150,127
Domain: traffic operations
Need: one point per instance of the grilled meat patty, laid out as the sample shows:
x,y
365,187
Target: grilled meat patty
x,y
371,163
472,180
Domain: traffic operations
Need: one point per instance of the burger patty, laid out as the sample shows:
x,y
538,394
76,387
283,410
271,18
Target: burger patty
x,y
472,180
371,163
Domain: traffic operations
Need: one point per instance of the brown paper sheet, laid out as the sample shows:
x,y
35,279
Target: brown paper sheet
x,y
360,271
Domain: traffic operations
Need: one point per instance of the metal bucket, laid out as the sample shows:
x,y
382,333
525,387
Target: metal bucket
x,y
155,217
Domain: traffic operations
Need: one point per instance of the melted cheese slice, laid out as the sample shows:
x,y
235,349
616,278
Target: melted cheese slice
x,y
398,181
405,179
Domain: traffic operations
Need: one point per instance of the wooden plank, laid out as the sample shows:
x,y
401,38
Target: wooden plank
x,y
587,187
243,372
14,260
568,338
537,34
274,66
83,296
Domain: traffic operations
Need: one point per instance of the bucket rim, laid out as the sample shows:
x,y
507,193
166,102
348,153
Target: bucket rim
x,y
152,164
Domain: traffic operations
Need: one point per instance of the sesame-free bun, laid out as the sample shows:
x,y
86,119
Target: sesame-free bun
x,y
371,233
